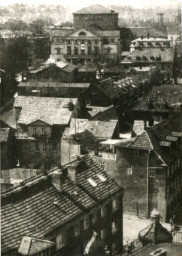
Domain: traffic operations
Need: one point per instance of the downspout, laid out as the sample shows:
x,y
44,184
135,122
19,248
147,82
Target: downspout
x,y
148,184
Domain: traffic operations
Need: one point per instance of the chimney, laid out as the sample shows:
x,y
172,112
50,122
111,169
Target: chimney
x,y
72,173
57,180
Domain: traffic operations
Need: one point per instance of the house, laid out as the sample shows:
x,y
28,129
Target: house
x,y
8,159
95,35
52,89
61,210
51,70
159,103
41,123
14,176
151,51
83,136
150,169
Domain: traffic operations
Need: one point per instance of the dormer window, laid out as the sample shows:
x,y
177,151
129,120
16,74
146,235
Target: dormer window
x,y
76,229
43,131
34,131
61,240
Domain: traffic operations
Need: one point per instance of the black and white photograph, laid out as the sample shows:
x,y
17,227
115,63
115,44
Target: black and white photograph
x,y
91,127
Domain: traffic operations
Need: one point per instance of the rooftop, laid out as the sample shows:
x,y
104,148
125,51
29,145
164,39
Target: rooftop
x,y
4,134
156,137
37,207
95,9
100,129
151,55
53,84
53,111
166,93
144,31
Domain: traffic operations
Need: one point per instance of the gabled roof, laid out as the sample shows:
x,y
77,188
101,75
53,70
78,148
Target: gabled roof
x,y
95,9
154,138
54,110
100,129
32,245
43,209
4,134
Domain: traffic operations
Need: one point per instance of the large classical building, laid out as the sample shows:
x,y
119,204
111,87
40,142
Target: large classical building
x,y
95,35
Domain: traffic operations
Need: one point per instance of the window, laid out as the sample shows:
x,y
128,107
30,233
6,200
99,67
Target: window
x,y
103,211
61,240
89,50
94,217
43,131
102,165
44,146
58,50
114,247
152,173
34,131
77,229
129,170
114,226
76,50
86,222
115,204
69,50
88,102
36,147
103,233
83,51
54,146
82,33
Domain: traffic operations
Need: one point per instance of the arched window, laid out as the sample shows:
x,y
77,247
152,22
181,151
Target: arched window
x,y
82,33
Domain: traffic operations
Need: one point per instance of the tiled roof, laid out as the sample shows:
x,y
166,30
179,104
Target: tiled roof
x,y
53,84
166,94
4,134
144,31
95,9
32,245
100,129
145,54
9,118
107,113
153,136
43,208
53,110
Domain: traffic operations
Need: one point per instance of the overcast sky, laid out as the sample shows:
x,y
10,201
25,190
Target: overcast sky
x,y
84,3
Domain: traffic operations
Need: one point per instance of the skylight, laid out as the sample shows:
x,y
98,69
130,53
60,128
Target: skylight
x,y
101,178
92,182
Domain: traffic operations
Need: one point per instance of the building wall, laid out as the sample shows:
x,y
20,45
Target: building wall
x,y
103,21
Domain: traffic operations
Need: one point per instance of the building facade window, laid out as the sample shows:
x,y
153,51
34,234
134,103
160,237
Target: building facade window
x,y
54,146
115,226
34,131
36,147
44,146
130,170
76,229
61,240
103,165
152,173
43,131
86,222
69,50
115,204
58,51
94,217
103,211
103,233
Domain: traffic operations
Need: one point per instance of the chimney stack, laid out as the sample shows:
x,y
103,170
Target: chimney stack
x,y
72,173
57,180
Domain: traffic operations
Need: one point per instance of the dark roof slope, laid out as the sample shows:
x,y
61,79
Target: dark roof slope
x,y
165,93
95,9
36,207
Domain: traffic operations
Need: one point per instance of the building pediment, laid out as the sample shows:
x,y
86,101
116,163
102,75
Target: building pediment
x,y
39,122
82,34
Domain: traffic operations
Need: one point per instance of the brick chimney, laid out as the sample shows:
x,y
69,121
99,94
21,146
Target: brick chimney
x,y
72,173
57,180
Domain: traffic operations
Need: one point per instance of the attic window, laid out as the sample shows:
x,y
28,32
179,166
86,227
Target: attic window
x,y
101,177
82,33
92,182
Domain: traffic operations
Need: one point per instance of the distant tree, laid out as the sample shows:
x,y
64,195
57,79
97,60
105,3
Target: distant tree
x,y
38,25
15,56
67,24
15,25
